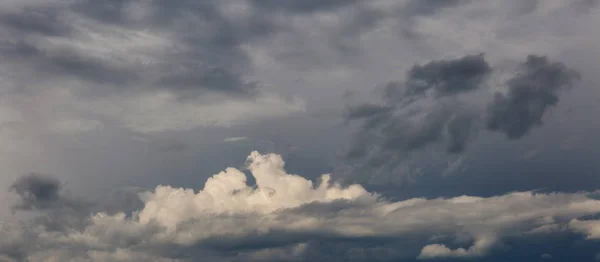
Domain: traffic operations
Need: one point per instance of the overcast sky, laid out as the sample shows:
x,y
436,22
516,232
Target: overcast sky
x,y
299,130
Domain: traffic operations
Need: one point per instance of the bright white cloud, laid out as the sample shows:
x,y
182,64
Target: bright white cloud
x,y
591,228
287,206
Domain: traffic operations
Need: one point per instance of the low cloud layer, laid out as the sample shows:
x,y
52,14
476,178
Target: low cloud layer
x,y
438,105
286,217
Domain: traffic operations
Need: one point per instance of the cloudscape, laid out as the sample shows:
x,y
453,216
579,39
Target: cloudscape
x,y
299,130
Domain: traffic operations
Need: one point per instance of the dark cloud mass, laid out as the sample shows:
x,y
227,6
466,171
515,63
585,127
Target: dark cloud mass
x,y
37,192
443,77
533,90
390,129
447,77
401,125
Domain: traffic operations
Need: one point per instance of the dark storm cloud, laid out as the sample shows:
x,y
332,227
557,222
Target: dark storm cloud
x,y
533,90
401,124
447,77
57,211
44,195
398,132
36,191
444,77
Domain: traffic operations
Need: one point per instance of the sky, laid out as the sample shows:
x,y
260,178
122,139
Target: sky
x,y
299,130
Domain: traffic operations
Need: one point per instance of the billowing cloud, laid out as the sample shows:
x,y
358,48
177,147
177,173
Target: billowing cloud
x,y
287,215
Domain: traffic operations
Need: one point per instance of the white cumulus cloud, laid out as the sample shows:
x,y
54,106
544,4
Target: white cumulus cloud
x,y
284,213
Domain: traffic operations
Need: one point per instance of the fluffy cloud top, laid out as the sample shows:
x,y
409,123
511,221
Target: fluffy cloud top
x,y
284,215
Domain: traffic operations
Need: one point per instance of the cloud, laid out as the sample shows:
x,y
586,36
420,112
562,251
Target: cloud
x,y
134,51
172,145
235,139
283,214
185,52
303,6
163,111
445,77
439,105
531,92
36,191
589,227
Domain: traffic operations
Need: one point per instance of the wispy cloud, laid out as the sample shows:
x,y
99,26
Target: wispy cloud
x,y
235,139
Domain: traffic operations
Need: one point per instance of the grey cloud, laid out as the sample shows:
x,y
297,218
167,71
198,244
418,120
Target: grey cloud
x,y
460,130
214,63
303,6
45,196
216,79
533,90
394,130
37,192
366,110
173,145
443,77
426,7
57,211
42,21
70,63
427,110
205,53
447,77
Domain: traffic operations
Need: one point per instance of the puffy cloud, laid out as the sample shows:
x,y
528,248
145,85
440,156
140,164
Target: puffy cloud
x,y
589,227
287,215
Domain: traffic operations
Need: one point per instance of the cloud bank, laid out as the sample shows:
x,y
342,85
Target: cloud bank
x,y
282,217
